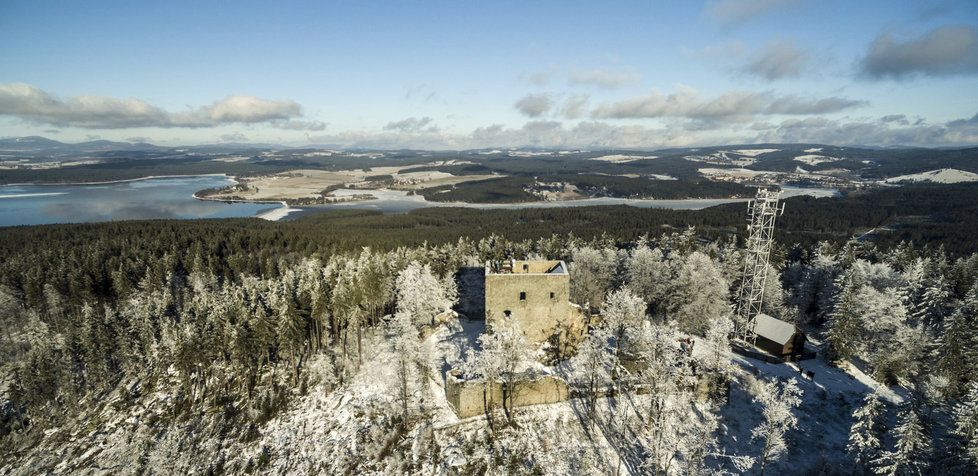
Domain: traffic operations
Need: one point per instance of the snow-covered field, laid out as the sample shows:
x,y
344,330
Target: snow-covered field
x,y
737,173
812,159
937,176
754,152
619,158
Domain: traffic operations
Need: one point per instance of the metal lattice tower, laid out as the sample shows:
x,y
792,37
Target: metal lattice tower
x,y
762,212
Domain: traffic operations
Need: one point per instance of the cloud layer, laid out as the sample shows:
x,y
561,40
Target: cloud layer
x,y
534,105
603,78
780,59
596,134
944,51
687,103
97,112
735,12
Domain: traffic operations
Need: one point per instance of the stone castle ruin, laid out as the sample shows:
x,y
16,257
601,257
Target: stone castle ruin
x,y
534,294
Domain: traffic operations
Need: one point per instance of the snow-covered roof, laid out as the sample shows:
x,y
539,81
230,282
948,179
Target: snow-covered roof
x,y
774,329
526,267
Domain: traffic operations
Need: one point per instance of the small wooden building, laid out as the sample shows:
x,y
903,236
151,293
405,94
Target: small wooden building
x,y
779,338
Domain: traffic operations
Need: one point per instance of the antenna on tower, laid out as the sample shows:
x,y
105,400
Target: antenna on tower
x,y
762,212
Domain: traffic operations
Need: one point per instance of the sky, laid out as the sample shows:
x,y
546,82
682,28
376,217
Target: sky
x,y
464,75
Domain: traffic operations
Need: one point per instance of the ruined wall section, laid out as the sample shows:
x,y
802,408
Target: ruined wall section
x,y
545,308
470,397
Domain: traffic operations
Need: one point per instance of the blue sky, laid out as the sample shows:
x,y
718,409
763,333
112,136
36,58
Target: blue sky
x,y
492,74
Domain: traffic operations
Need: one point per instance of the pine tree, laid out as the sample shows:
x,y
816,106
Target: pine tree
x,y
407,350
957,350
934,301
912,451
778,404
420,294
966,424
866,434
844,322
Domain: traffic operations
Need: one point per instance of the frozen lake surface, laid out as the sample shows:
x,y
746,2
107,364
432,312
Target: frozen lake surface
x,y
172,197
167,197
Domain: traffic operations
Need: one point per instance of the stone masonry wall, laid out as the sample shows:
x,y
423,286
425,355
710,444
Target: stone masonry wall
x,y
467,397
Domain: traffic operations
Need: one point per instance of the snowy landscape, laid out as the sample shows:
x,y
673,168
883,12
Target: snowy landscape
x,y
456,238
339,366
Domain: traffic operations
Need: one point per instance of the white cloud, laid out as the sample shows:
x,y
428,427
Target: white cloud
x,y
779,59
944,51
575,106
735,12
687,103
599,134
879,133
412,125
566,106
604,78
534,105
97,112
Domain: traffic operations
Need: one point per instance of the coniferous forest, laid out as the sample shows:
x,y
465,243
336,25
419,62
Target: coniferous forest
x,y
236,346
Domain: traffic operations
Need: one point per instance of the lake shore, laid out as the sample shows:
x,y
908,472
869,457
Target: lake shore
x,y
110,182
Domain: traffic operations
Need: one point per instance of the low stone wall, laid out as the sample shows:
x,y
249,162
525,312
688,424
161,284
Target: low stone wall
x,y
470,397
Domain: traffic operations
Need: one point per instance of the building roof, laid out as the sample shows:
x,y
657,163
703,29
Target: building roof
x,y
773,329
526,267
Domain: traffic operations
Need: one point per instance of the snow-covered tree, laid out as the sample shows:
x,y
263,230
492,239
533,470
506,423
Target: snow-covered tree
x,y
774,295
778,402
866,434
816,287
702,295
670,422
505,353
718,345
592,366
592,274
933,300
845,322
649,274
912,450
406,347
421,295
623,316
966,424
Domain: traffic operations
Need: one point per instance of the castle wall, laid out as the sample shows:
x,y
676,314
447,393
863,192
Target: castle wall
x,y
468,397
539,314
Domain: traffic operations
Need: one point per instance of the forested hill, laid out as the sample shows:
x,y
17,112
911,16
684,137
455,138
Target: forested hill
x,y
237,346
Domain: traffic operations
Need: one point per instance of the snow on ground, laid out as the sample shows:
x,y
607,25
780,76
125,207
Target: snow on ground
x,y
722,157
619,158
812,159
824,417
937,176
754,152
813,150
661,177
739,173
278,213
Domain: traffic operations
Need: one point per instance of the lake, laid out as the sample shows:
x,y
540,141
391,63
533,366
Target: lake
x,y
169,197
172,197
397,201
